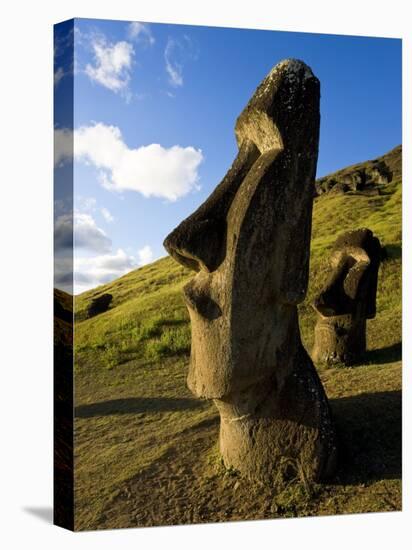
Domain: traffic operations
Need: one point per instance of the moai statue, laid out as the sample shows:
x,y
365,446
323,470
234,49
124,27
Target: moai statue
x,y
348,299
249,244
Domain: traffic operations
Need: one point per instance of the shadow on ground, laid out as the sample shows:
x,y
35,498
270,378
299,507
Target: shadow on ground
x,y
389,354
45,513
370,436
135,405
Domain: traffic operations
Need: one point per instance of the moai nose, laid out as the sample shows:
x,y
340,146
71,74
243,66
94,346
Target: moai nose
x,y
199,242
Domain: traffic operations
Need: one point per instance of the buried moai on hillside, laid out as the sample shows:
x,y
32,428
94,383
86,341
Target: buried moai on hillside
x,y
249,243
348,299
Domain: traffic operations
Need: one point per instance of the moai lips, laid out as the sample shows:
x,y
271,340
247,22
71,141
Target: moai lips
x,y
348,298
249,243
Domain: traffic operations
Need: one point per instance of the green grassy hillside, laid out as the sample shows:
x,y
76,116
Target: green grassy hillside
x,y
145,449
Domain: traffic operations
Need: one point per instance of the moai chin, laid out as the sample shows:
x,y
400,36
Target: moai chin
x,y
348,299
249,244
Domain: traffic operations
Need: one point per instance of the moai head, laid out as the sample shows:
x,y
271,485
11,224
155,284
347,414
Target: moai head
x,y
348,298
249,242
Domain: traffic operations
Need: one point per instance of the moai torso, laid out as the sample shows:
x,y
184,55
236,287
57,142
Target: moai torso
x,y
348,299
249,243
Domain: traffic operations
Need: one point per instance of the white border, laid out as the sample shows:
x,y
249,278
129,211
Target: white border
x,y
26,272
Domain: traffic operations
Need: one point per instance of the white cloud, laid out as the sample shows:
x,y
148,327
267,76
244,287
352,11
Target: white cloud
x,y
152,170
88,235
63,233
90,272
145,255
63,206
174,66
82,227
63,272
63,40
140,32
88,205
58,75
62,45
177,54
63,145
106,214
112,64
91,261
85,204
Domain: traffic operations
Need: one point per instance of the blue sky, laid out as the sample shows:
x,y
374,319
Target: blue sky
x,y
154,113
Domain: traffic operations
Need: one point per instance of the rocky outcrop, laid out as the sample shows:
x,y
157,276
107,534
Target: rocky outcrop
x,y
249,243
348,299
369,177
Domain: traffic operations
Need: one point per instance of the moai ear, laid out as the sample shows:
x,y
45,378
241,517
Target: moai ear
x,y
199,242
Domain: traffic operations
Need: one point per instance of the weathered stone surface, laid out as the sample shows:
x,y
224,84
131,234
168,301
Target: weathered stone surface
x,y
348,298
99,304
249,243
366,178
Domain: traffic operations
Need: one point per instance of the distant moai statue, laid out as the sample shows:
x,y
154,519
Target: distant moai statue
x,y
348,299
249,243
